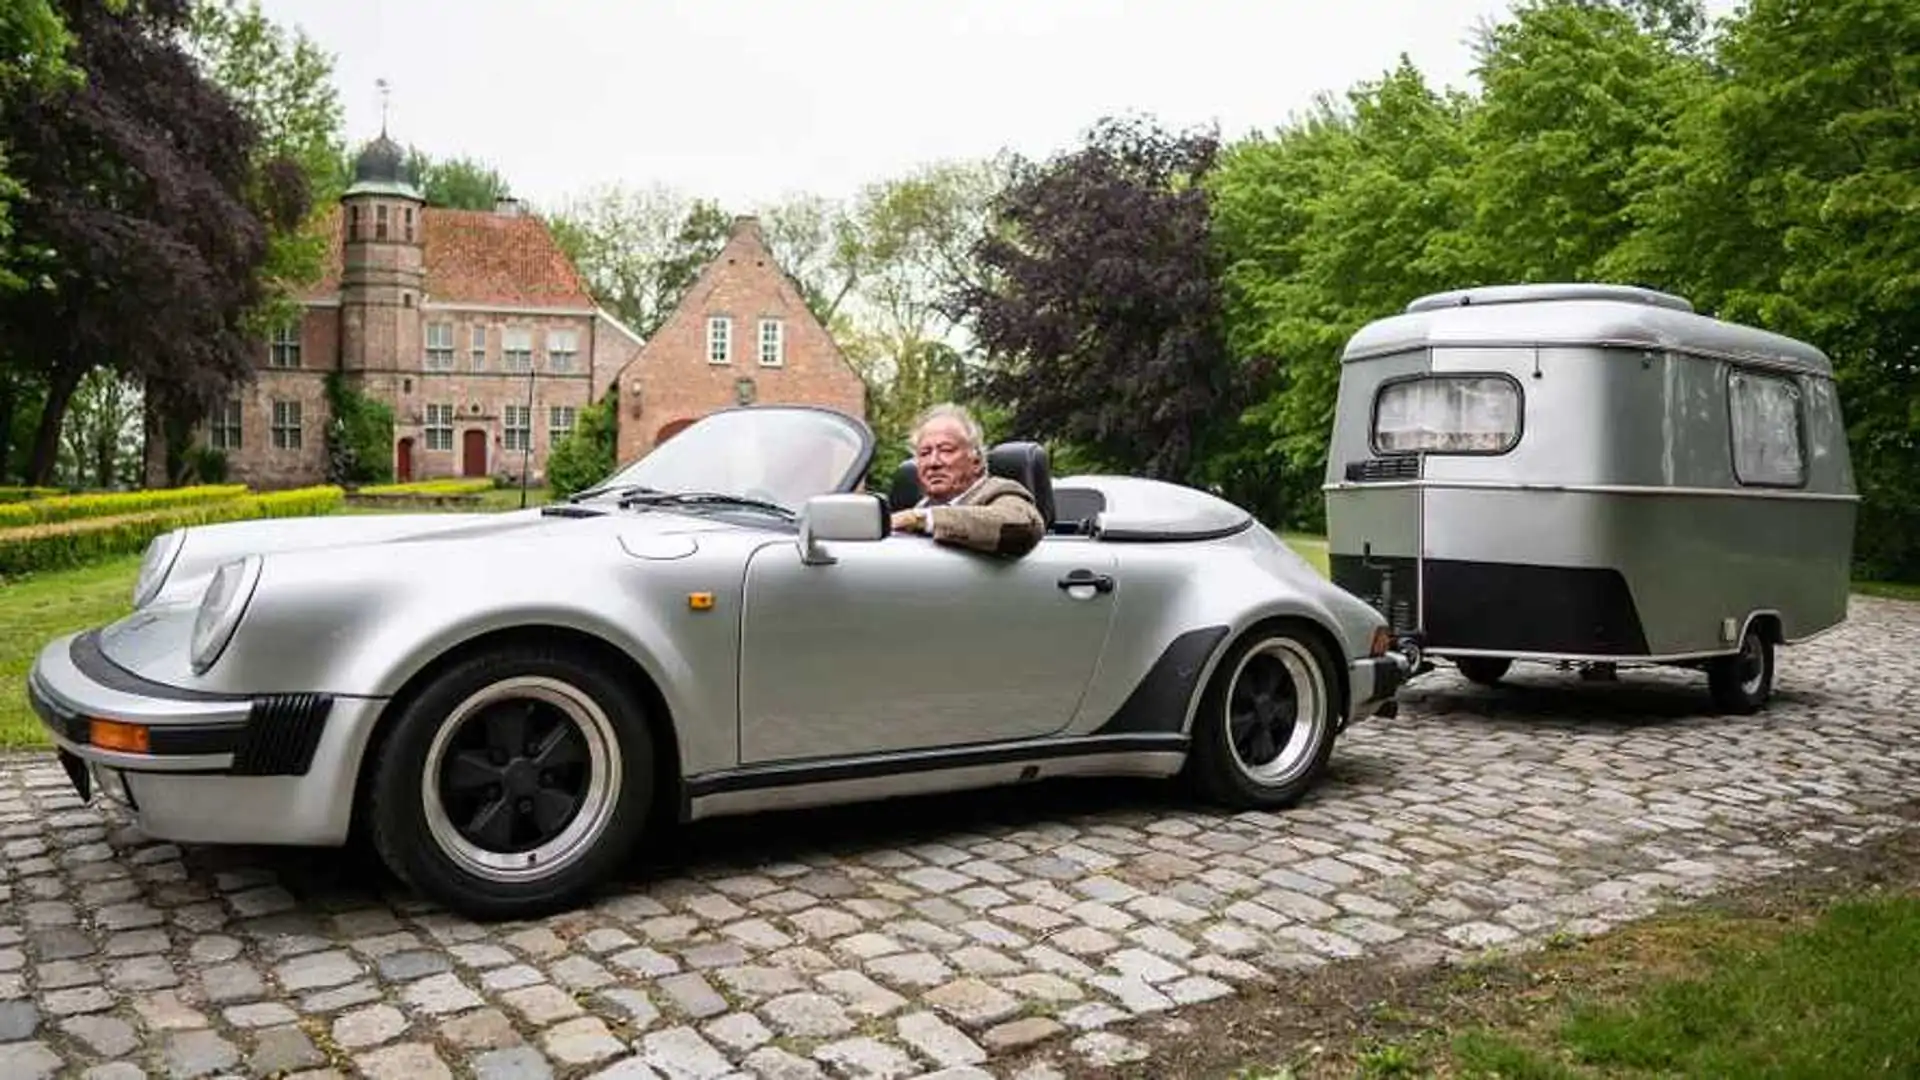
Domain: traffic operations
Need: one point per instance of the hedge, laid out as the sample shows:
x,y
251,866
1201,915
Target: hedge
x,y
113,503
61,545
469,486
21,494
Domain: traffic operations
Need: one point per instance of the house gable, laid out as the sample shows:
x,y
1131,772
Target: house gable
x,y
742,334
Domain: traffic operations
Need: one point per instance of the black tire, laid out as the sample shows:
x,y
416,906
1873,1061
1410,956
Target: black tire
x,y
1485,670
1273,662
1742,683
597,751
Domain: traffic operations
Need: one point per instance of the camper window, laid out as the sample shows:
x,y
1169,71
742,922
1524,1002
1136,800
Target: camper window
x,y
1447,414
1766,430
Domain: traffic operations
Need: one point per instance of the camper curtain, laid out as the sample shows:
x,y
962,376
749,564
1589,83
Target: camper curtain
x,y
1448,414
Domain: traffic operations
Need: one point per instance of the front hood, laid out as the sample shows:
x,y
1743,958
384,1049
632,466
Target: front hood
x,y
204,548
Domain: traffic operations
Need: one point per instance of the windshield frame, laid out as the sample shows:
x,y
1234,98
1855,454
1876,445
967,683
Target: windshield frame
x,y
617,482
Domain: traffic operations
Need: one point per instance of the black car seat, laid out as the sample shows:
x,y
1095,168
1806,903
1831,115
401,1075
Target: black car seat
x,y
1026,463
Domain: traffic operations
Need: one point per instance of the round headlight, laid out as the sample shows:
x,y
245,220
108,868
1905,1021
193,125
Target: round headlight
x,y
220,610
161,554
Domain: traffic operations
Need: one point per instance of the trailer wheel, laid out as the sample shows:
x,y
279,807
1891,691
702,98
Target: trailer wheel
x,y
1743,682
1485,670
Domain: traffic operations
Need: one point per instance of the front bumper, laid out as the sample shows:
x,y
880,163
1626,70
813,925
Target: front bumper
x,y
217,768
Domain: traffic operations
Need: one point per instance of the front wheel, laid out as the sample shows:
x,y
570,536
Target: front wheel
x,y
1267,721
513,784
1743,682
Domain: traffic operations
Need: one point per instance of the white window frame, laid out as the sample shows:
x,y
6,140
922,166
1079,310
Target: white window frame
x,y
562,347
773,346
284,347
1762,406
224,429
477,348
517,423
286,425
516,349
439,346
560,421
439,427
719,339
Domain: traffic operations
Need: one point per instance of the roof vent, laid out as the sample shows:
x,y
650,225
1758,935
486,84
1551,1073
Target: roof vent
x,y
507,205
1536,294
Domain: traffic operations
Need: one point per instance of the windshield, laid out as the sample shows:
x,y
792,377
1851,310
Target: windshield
x,y
782,455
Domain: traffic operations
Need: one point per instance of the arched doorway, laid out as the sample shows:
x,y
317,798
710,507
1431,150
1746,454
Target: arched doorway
x,y
672,428
403,461
473,452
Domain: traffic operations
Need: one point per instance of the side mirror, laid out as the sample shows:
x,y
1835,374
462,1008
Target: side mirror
x,y
840,517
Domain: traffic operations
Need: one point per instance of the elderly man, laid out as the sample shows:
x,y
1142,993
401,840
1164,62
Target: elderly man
x,y
964,505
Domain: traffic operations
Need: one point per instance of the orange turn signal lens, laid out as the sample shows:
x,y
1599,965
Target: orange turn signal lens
x,y
700,601
114,735
1382,640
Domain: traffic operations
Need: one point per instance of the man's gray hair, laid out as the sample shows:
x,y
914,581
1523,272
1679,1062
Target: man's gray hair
x,y
947,410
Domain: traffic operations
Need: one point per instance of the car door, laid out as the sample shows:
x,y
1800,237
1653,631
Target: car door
x,y
905,644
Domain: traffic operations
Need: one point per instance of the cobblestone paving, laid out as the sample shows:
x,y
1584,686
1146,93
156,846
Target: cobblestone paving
x,y
948,938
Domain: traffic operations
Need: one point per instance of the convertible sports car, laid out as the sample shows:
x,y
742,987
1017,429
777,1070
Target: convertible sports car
x,y
501,702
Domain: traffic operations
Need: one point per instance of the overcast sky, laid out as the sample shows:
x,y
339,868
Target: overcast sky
x,y
745,100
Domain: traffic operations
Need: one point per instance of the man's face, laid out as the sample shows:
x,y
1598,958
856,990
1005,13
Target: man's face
x,y
944,460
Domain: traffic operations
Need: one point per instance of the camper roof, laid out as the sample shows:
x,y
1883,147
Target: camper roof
x,y
1575,314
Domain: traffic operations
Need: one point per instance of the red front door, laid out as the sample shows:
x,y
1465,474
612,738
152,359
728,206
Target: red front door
x,y
473,452
403,463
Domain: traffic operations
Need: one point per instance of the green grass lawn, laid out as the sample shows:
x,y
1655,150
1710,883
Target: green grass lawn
x,y
41,607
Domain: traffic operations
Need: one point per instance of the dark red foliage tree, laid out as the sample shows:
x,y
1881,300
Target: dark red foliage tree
x,y
143,204
1098,308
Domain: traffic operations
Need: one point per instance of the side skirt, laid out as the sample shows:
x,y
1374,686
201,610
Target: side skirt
x,y
825,782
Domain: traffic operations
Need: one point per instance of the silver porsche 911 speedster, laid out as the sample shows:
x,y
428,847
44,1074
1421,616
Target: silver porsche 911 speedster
x,y
502,701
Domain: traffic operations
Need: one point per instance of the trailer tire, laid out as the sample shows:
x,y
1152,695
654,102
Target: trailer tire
x,y
1485,670
1742,683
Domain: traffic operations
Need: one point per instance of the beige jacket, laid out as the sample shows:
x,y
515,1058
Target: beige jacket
x,y
996,516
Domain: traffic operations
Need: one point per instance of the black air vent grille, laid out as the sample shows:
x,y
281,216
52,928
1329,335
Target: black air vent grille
x,y
1389,468
281,735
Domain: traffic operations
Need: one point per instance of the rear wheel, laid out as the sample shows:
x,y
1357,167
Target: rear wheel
x,y
1485,670
1267,721
513,783
1743,682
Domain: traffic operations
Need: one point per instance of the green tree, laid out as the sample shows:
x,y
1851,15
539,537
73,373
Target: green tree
x,y
640,248
458,183
34,58
587,455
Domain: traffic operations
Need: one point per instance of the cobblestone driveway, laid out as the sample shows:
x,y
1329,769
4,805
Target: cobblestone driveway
x,y
946,935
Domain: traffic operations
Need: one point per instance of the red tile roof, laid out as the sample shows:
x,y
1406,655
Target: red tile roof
x,y
478,257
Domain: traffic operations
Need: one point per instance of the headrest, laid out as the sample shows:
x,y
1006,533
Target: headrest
x,y
906,486
1027,464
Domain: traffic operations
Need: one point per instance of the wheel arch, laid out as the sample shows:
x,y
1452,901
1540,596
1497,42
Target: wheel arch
x,y
1258,623
661,727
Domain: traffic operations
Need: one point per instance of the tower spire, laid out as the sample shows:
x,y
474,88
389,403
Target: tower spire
x,y
385,90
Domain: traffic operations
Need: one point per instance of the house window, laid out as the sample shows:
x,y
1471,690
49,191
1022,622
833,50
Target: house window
x,y
285,349
353,222
719,339
379,223
516,349
559,422
562,347
286,425
519,425
409,224
1767,450
223,426
772,343
478,348
440,427
440,346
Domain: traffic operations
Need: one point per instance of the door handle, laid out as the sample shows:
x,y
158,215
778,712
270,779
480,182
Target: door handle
x,y
1083,578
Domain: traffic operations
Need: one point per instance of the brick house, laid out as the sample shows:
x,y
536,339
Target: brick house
x,y
741,334
472,325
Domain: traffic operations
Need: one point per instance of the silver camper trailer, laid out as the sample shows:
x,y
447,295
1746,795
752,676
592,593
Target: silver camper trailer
x,y
1591,476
